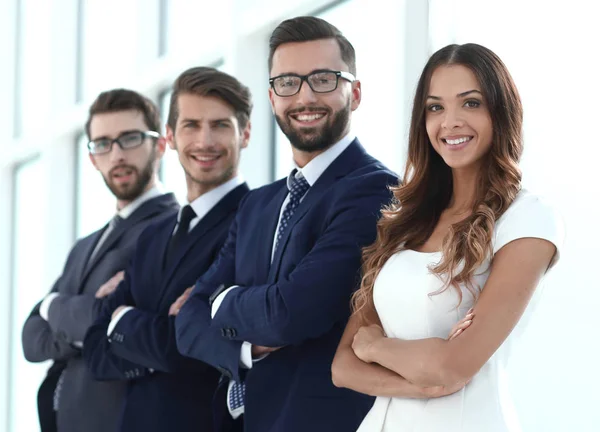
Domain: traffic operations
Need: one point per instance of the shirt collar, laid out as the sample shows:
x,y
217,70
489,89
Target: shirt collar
x,y
153,192
205,202
313,170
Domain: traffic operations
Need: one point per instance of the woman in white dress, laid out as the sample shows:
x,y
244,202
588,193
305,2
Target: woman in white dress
x,y
451,279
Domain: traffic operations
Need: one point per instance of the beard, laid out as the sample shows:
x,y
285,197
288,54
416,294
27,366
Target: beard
x,y
311,139
143,177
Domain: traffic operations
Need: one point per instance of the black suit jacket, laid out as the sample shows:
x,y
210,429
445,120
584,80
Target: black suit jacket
x,y
165,390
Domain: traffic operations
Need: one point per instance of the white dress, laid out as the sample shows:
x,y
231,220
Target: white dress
x,y
407,311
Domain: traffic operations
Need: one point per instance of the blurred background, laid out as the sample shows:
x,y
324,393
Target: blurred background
x,y
57,55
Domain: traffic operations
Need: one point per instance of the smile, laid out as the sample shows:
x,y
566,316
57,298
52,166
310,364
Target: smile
x,y
457,141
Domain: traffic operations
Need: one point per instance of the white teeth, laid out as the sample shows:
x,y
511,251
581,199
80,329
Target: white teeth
x,y
309,117
457,141
206,158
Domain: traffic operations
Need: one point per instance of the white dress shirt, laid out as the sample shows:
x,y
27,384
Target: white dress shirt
x,y
311,172
201,206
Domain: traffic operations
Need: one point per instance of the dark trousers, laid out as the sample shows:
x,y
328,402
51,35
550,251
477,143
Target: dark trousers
x,y
45,398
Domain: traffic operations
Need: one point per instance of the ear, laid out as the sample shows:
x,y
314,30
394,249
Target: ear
x,y
356,95
170,137
246,135
93,160
272,96
161,146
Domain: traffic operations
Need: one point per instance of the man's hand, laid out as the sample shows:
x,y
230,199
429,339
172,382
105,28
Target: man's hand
x,y
177,304
118,310
110,285
364,339
259,351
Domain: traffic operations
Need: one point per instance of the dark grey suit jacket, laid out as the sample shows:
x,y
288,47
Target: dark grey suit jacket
x,y
85,404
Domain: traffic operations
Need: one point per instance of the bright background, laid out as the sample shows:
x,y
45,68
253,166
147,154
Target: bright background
x,y
59,54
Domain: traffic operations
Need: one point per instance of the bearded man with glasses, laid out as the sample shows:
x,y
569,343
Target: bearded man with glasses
x,y
126,148
270,312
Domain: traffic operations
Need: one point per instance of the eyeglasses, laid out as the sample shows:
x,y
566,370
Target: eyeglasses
x,y
126,141
321,81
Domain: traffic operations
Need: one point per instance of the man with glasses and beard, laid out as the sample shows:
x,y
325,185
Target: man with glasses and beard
x,y
271,310
125,147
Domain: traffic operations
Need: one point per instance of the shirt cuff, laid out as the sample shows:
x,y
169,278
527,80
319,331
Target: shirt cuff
x,y
115,320
45,306
217,303
246,355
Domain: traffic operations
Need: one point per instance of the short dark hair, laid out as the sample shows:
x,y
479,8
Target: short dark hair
x,y
309,28
124,100
208,81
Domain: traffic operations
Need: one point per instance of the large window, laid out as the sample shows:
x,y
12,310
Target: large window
x,y
27,288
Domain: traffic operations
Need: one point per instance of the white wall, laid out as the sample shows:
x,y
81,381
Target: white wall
x,y
550,47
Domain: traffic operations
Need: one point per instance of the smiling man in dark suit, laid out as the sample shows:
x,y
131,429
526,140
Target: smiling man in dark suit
x,y
126,148
133,340
271,310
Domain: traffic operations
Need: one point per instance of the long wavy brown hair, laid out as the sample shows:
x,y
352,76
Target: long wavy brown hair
x,y
426,190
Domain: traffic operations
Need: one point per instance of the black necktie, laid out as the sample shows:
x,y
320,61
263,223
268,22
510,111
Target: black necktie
x,y
187,214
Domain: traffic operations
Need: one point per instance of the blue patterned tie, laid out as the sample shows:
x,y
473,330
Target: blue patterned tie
x,y
236,395
298,188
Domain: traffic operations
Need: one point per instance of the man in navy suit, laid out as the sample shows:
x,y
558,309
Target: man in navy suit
x,y
270,312
133,340
125,147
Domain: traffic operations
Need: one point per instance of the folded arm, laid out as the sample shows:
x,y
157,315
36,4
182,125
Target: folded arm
x,y
516,271
308,302
350,372
98,353
40,343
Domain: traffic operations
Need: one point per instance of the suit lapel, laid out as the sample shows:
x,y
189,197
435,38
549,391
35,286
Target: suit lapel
x,y
345,163
147,210
266,232
86,254
229,203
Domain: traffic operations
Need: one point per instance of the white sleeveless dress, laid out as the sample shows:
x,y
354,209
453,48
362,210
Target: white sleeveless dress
x,y
407,311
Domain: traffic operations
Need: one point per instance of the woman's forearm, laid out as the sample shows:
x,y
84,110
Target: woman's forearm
x,y
421,362
373,379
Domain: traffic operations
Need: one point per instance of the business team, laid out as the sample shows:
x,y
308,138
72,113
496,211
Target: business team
x,y
225,314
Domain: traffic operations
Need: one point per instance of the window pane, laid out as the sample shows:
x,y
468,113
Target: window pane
x,y
95,203
171,172
27,289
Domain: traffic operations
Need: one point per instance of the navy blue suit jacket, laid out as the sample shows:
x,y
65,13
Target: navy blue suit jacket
x,y
300,301
166,391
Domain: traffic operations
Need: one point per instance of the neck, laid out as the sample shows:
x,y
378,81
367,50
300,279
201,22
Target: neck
x,y
124,203
302,158
464,183
195,190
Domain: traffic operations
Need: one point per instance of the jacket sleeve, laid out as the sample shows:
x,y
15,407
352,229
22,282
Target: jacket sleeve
x,y
98,353
40,343
148,339
309,301
71,315
196,337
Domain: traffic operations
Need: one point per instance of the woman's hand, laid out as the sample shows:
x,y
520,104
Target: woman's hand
x,y
364,339
462,325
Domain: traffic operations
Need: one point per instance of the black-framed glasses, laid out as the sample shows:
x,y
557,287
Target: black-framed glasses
x,y
321,81
126,141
